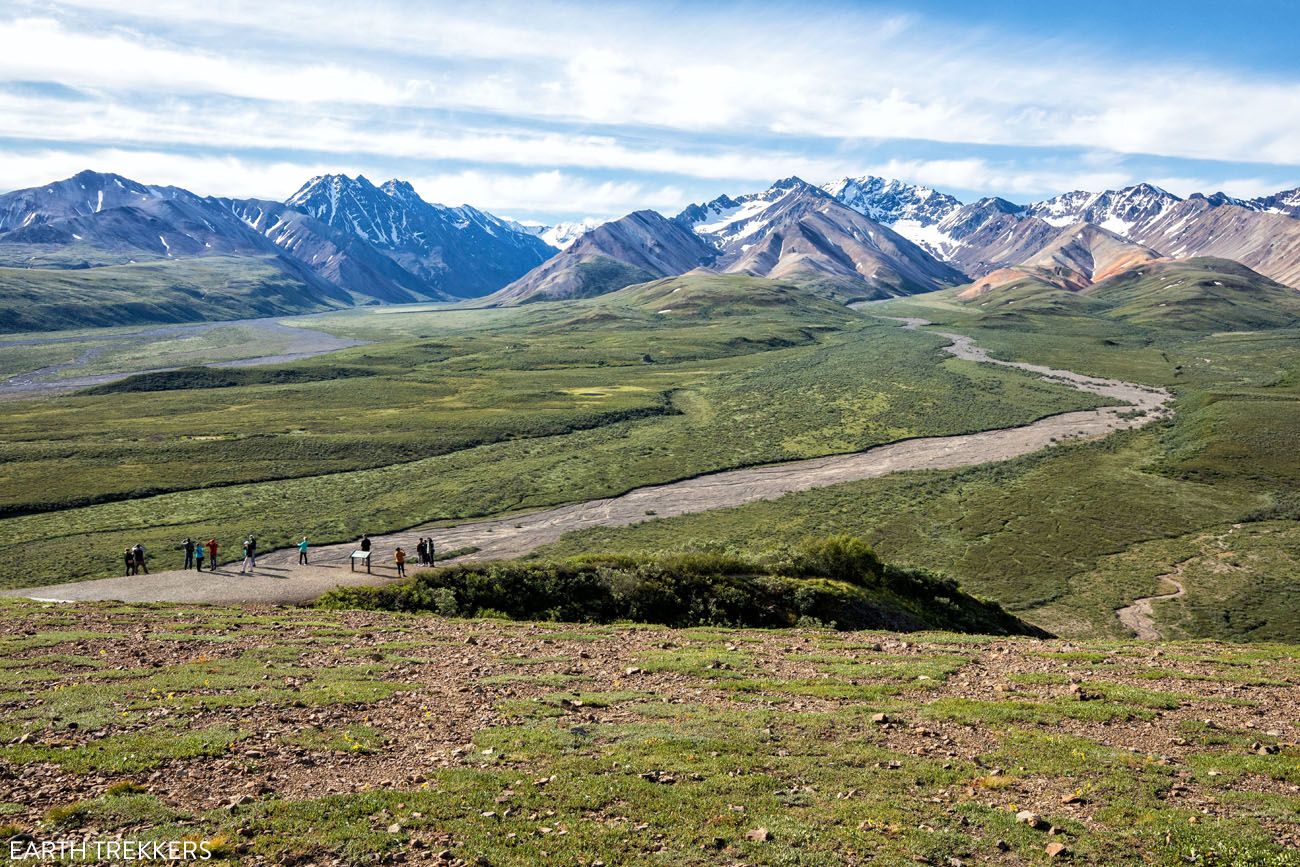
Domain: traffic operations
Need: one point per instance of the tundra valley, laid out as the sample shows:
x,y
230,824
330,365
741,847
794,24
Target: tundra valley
x,y
817,522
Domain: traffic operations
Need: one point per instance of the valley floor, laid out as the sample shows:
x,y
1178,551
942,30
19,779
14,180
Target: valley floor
x,y
282,580
324,737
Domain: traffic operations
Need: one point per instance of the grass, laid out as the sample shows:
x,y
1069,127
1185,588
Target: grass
x,y
683,762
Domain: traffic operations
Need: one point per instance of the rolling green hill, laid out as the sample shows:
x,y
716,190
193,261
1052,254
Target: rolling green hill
x,y
1203,294
705,295
183,290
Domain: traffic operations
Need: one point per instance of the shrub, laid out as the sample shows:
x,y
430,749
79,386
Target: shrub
x,y
836,581
844,558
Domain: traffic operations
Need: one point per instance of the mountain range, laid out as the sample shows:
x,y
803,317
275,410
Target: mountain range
x,y
337,242
340,241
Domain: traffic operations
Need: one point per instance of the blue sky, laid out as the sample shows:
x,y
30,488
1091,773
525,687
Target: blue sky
x,y
550,111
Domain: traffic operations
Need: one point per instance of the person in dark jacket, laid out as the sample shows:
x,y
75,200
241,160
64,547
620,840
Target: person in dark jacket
x,y
188,547
129,557
138,553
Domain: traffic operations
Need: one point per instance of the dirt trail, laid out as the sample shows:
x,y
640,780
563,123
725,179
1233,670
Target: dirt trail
x,y
280,579
1140,617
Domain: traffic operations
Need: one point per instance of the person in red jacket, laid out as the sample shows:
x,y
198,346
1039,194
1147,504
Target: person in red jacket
x,y
212,554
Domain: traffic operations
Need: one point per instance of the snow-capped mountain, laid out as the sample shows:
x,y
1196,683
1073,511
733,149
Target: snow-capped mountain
x,y
561,235
461,252
911,210
1286,202
335,254
642,246
726,221
1115,210
791,231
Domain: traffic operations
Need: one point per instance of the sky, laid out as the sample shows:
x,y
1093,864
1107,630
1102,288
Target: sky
x,y
544,111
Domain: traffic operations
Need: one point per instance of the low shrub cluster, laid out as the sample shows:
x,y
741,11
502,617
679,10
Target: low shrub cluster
x,y
835,582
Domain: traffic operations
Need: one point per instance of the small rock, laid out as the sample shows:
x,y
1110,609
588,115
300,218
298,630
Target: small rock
x,y
395,828
1033,820
758,835
1072,798
1055,850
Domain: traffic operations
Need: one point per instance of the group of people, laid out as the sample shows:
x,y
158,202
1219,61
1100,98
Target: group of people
x,y
196,552
424,554
134,557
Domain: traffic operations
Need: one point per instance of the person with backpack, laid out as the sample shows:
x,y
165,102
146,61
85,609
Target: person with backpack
x,y
250,561
212,554
198,558
399,557
138,553
302,552
188,547
252,547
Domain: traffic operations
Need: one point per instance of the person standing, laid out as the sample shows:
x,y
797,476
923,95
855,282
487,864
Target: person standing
x,y
212,555
302,552
252,548
138,553
250,562
399,557
428,547
198,557
188,547
129,557
421,552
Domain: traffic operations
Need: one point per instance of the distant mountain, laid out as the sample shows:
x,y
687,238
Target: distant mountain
x,y
99,248
336,255
1266,242
1286,202
1115,210
797,232
641,246
561,235
459,252
791,231
910,210
1076,258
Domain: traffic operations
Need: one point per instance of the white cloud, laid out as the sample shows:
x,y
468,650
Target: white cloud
x,y
547,192
619,66
538,192
206,175
563,91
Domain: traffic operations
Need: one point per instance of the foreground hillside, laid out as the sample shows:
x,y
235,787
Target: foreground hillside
x,y
300,736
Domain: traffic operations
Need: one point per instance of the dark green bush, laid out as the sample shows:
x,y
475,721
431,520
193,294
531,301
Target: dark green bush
x,y
836,582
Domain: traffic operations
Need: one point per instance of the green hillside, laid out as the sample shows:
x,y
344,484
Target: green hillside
x,y
182,290
705,295
1203,294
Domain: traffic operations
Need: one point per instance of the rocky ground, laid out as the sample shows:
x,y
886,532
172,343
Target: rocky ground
x,y
283,735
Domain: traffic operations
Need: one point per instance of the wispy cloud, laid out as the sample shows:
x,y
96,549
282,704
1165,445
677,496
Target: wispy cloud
x,y
622,96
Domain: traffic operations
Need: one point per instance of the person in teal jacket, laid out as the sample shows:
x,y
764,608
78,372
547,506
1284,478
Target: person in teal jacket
x,y
302,552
